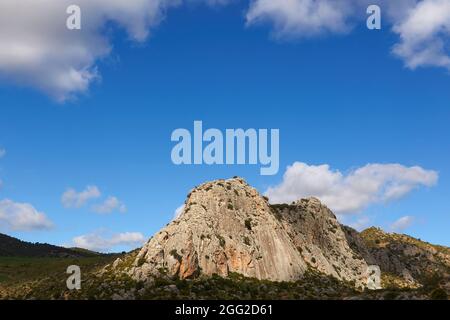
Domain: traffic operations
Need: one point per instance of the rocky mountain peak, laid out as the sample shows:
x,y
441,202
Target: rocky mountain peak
x,y
228,227
222,197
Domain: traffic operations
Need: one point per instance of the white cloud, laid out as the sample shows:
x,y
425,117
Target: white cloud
x,y
178,212
22,217
424,35
351,192
423,26
402,224
109,205
37,50
302,18
73,199
98,242
307,18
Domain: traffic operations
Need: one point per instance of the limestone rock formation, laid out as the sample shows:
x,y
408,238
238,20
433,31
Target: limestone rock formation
x,y
321,240
228,227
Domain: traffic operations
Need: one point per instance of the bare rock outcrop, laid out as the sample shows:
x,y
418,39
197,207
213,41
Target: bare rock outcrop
x,y
228,227
322,240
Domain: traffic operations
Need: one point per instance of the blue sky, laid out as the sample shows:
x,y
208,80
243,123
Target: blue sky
x,y
344,99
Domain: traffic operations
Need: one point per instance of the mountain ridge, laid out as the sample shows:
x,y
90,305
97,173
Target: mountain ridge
x,y
228,227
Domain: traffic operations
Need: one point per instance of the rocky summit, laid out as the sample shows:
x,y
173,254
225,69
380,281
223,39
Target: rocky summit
x,y
227,227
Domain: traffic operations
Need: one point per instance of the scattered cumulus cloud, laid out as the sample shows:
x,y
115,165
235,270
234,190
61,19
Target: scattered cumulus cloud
x,y
402,224
16,216
99,242
73,199
309,18
423,26
109,205
351,192
37,50
424,35
301,18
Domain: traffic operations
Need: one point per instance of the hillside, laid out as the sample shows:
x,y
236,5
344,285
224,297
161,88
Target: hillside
x,y
412,261
12,247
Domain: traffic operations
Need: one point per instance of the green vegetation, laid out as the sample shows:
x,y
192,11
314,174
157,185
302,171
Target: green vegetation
x,y
42,278
19,269
238,287
276,211
391,295
141,261
280,207
248,224
438,294
221,240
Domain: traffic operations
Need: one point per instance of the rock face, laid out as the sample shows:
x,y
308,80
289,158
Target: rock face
x,y
321,240
228,227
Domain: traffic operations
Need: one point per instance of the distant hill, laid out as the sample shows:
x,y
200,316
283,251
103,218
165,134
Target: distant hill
x,y
12,247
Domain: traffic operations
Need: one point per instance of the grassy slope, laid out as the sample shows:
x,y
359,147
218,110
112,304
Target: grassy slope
x,y
20,275
44,278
